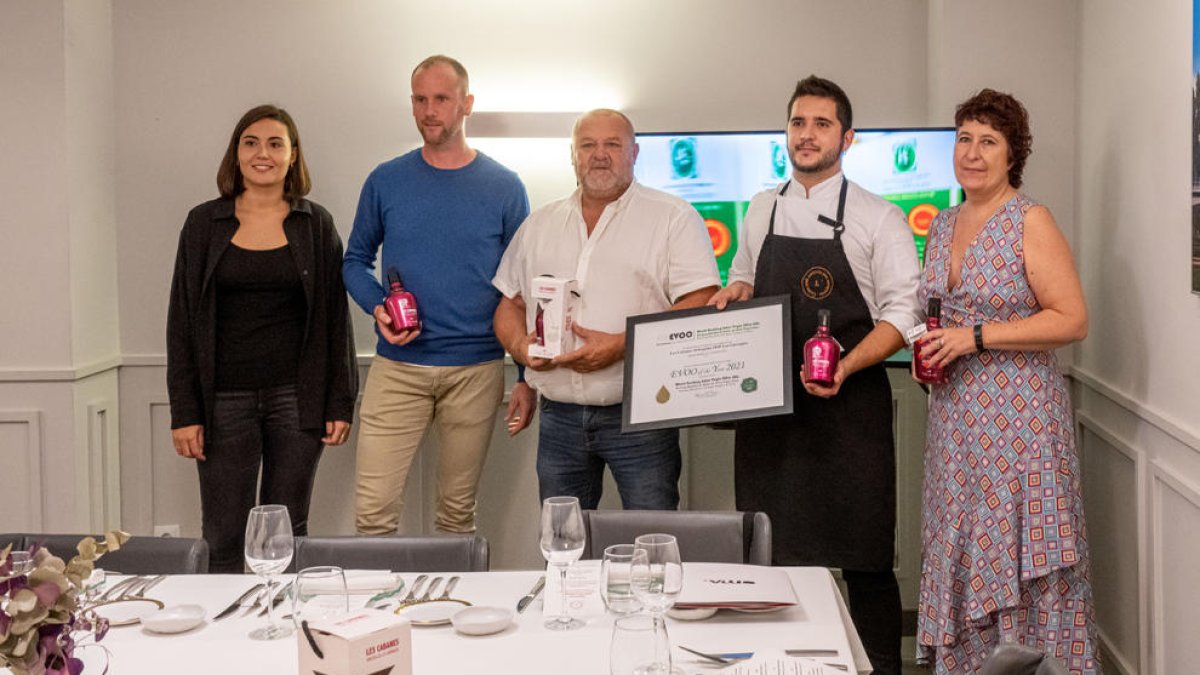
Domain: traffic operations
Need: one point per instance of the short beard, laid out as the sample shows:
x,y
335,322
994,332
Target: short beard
x,y
823,163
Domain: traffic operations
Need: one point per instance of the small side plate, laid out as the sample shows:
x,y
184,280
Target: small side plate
x,y
174,619
482,620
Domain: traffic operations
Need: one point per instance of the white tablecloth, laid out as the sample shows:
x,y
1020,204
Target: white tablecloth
x,y
819,620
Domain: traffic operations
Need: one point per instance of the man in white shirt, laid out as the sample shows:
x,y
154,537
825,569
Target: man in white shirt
x,y
826,474
632,250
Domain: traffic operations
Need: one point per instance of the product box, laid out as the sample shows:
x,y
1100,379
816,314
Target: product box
x,y
554,303
361,642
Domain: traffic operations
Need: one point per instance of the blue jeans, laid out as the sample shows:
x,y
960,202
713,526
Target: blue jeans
x,y
576,441
254,428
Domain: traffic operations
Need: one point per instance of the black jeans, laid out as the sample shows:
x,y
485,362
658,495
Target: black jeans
x,y
249,429
875,608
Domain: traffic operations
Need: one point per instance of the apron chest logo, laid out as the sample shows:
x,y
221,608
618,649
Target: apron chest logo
x,y
817,283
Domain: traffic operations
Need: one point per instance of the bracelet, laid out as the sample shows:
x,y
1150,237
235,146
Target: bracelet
x,y
978,330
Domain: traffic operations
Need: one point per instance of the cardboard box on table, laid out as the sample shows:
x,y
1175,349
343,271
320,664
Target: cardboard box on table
x,y
363,642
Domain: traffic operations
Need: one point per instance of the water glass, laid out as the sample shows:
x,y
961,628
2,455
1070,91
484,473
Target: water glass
x,y
319,593
562,543
614,579
639,647
656,573
269,549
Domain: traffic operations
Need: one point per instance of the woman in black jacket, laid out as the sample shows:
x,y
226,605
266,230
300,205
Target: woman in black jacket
x,y
260,355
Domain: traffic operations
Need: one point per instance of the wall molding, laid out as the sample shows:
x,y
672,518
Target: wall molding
x,y
1165,424
32,419
1084,421
56,374
1162,478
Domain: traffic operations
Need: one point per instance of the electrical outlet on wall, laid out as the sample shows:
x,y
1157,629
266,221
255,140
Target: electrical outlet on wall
x,y
166,530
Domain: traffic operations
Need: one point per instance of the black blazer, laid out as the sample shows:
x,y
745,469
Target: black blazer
x,y
326,377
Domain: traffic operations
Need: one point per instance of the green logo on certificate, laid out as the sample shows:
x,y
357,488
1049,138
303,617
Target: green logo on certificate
x,y
749,384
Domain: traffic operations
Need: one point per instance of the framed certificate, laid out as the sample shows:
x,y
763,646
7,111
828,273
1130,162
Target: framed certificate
x,y
698,366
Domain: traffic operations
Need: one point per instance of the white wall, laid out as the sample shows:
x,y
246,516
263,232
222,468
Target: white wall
x,y
1137,388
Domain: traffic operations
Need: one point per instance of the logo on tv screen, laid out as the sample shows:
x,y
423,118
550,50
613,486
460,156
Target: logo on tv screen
x,y
904,156
683,158
779,160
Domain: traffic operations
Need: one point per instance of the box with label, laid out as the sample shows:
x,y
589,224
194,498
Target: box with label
x,y
554,306
361,642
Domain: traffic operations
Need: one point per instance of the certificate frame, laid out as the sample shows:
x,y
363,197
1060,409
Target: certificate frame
x,y
651,358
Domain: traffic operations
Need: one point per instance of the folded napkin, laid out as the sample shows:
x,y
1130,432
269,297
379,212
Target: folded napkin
x,y
358,581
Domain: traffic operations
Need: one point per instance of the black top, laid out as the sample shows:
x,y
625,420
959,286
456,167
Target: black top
x,y
326,373
260,318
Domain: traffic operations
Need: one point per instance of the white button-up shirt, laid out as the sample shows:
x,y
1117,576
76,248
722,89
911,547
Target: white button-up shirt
x,y
647,250
877,241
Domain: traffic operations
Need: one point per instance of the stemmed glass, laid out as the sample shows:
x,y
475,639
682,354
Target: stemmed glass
x,y
269,549
562,543
656,578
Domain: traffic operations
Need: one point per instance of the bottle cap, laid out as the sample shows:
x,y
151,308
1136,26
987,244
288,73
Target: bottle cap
x,y
823,317
935,306
394,277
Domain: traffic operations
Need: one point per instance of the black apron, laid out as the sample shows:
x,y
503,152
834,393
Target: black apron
x,y
826,475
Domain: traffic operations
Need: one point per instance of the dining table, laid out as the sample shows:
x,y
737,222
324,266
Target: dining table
x,y
818,620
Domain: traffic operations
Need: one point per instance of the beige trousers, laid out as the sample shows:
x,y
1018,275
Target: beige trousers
x,y
399,403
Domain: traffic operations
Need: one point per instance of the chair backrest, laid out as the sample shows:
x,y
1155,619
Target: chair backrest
x,y
17,541
1011,658
703,536
432,553
139,555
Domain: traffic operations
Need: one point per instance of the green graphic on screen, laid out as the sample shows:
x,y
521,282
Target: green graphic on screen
x,y
724,221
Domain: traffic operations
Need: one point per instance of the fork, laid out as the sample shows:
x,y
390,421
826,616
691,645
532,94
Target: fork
x,y
449,587
431,592
141,592
412,592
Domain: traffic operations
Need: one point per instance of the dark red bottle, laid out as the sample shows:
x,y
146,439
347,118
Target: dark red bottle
x,y
821,353
925,371
539,326
401,306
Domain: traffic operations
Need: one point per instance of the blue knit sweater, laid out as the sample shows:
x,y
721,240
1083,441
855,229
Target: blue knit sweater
x,y
444,231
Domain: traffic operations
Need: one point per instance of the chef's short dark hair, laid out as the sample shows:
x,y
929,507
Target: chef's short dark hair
x,y
819,86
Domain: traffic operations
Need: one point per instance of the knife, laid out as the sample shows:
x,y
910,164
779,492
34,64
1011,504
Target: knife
x,y
238,603
533,593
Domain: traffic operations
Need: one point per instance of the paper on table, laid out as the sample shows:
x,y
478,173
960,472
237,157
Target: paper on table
x,y
749,587
775,662
359,581
583,591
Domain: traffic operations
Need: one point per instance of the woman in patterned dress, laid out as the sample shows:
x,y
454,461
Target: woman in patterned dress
x,y
1005,549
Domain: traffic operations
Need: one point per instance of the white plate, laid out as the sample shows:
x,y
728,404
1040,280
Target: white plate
x,y
691,614
481,620
174,619
126,610
432,613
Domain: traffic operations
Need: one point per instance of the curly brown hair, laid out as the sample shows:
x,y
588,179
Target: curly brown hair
x,y
1005,114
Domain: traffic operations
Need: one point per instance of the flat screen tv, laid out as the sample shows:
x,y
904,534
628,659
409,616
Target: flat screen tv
x,y
718,172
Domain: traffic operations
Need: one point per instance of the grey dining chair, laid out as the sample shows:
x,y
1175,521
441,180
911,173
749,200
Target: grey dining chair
x,y
704,536
1011,658
400,553
139,555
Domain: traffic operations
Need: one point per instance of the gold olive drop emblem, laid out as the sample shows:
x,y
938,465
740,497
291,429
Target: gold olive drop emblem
x,y
663,395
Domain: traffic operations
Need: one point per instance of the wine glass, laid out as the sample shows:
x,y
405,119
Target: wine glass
x,y
636,645
319,593
562,543
614,579
656,578
269,549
